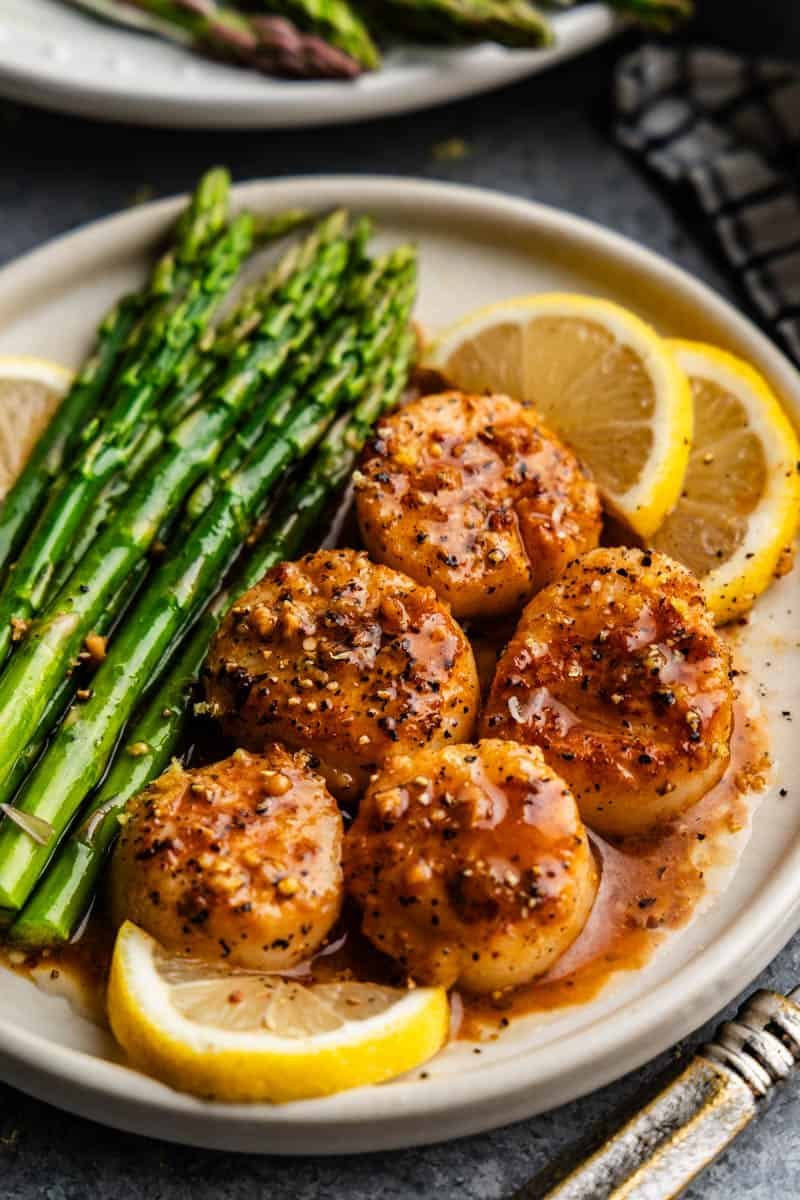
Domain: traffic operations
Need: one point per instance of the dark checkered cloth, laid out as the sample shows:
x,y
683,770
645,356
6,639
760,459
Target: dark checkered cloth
x,y
729,130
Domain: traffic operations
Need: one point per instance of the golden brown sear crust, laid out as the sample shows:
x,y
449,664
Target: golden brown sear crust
x,y
618,673
476,497
346,659
238,862
471,865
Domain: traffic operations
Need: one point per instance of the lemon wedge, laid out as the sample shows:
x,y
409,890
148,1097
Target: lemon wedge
x,y
739,508
30,389
245,1037
600,377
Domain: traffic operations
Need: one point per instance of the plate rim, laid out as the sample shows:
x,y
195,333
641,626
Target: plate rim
x,y
450,1105
400,88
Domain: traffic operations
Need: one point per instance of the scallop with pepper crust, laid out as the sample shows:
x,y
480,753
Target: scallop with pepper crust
x,y
618,673
471,865
474,496
238,862
345,658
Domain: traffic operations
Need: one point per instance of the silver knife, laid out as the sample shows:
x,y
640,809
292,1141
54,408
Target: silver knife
x,y
657,1153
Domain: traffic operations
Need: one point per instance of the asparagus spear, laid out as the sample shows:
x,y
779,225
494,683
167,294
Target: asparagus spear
x,y
509,22
215,347
202,219
269,415
106,505
199,221
304,504
306,365
23,502
198,227
213,351
65,893
191,447
64,693
268,227
134,401
270,44
659,14
76,759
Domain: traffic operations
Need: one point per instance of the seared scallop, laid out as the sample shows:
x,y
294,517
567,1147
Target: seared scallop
x,y
343,657
471,865
618,673
238,862
474,496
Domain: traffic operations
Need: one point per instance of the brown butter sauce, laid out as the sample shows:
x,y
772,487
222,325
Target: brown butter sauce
x,y
650,885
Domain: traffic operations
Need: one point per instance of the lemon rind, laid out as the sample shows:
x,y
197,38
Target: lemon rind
x,y
732,588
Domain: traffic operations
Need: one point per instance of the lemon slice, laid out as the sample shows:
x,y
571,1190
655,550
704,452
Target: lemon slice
x,y
30,389
739,508
245,1037
599,376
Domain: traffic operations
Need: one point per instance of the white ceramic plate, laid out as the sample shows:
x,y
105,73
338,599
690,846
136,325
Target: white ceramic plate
x,y
60,58
475,247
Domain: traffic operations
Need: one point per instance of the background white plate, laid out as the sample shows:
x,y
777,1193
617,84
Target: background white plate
x,y
60,58
475,247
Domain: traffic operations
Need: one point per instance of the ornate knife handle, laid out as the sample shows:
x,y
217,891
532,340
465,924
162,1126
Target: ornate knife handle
x,y
661,1149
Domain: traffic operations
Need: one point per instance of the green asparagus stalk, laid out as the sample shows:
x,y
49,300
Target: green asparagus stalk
x,y
134,402
509,22
44,655
658,14
24,500
213,351
269,227
202,219
205,216
306,365
64,895
200,224
106,505
270,44
77,757
218,347
250,433
57,705
64,693
301,509
266,228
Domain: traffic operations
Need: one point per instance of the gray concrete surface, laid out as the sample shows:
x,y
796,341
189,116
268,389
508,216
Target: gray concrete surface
x,y
545,139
